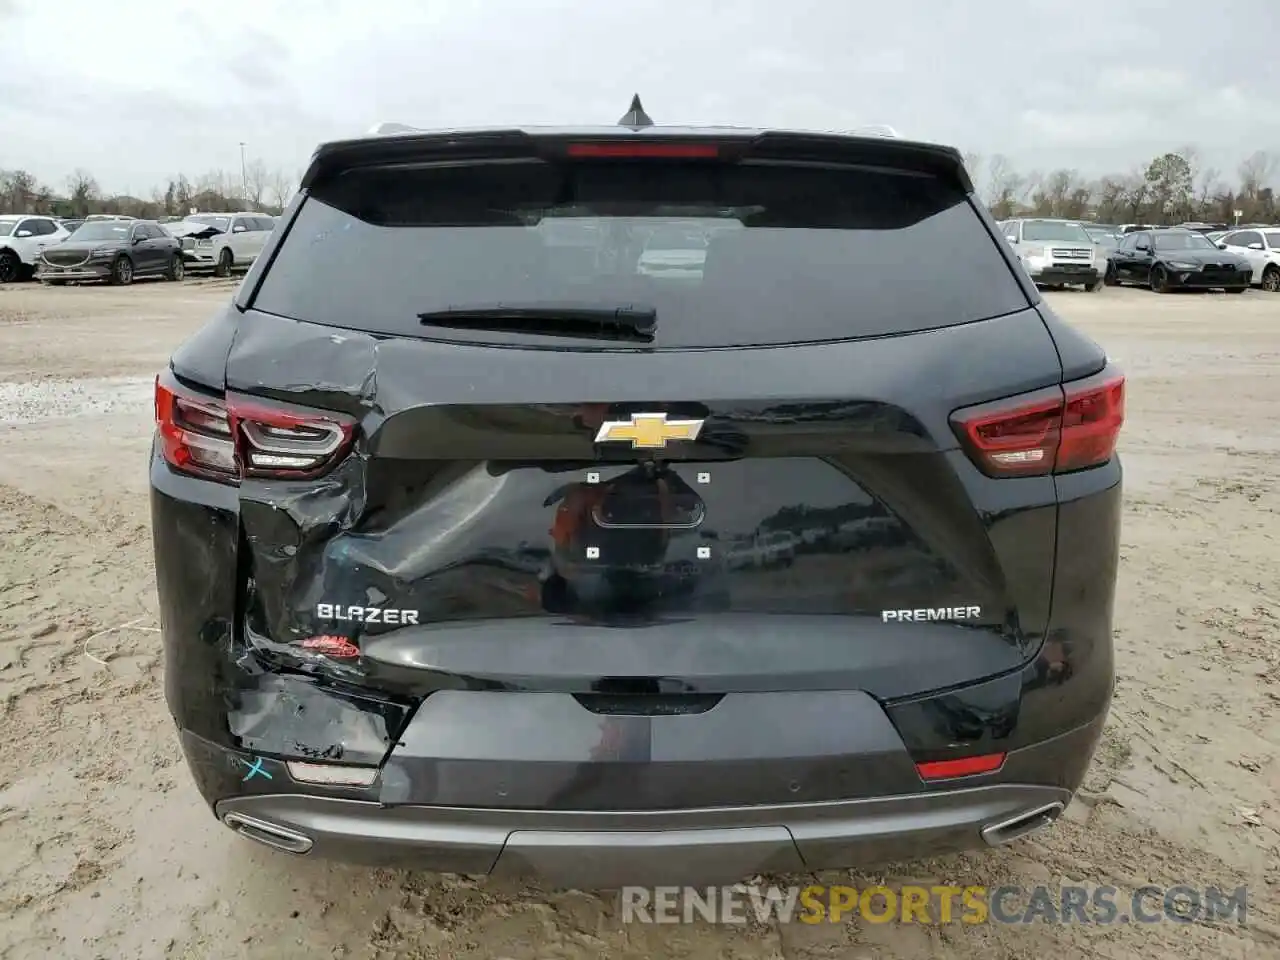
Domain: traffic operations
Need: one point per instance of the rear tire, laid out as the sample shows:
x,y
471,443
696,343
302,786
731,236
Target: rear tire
x,y
121,272
10,266
177,268
1095,286
225,260
1109,277
1271,279
1159,281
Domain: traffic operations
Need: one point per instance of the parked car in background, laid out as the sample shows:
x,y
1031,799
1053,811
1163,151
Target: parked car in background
x,y
21,240
117,251
109,216
1173,259
1200,227
1056,253
1261,248
1105,236
674,252
70,224
225,241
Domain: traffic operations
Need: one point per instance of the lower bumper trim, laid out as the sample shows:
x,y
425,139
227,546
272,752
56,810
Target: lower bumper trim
x,y
595,850
1052,275
74,274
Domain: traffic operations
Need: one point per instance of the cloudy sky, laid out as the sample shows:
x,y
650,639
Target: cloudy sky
x,y
137,90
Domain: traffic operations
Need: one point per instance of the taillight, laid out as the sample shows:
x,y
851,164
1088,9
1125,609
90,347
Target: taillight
x,y
628,150
1046,433
195,434
230,441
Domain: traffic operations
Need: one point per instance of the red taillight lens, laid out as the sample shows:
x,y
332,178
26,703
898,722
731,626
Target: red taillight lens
x,y
644,150
224,441
1036,435
195,435
1091,424
960,767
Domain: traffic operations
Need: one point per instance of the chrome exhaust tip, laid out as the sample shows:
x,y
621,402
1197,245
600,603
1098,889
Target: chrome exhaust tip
x,y
1018,826
268,834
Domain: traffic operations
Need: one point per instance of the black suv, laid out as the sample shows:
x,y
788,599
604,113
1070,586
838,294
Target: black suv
x,y
489,538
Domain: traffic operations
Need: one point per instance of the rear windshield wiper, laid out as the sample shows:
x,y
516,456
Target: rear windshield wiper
x,y
630,322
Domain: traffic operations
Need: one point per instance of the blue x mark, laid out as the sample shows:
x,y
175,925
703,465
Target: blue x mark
x,y
255,768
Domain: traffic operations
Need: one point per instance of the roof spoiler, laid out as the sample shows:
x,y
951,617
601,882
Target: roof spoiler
x,y
397,143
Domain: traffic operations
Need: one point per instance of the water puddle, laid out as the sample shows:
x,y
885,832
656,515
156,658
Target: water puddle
x,y
43,400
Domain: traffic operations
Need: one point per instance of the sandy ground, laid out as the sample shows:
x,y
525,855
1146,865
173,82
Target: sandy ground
x,y
107,851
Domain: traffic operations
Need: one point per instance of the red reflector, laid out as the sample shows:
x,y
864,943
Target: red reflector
x,y
962,767
331,646
1072,431
656,150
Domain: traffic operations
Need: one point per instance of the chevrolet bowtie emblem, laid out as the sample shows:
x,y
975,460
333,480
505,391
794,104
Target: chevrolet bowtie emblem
x,y
649,431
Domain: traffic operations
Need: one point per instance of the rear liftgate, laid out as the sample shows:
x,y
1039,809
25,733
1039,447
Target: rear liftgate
x,y
629,606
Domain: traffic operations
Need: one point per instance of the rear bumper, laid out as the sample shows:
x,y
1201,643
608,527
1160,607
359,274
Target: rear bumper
x,y
596,851
609,848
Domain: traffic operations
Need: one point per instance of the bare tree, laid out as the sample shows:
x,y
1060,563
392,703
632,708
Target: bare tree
x,y
280,188
1134,194
18,190
1256,173
1061,193
973,164
255,183
83,193
1207,185
1004,186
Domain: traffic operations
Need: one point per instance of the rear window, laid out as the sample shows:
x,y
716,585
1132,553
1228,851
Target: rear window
x,y
1182,241
725,254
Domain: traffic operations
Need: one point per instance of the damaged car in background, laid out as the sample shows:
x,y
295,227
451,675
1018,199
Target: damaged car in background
x,y
221,242
449,503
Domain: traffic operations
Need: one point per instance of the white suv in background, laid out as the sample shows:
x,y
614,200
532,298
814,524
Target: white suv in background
x,y
1261,247
231,240
1056,253
21,240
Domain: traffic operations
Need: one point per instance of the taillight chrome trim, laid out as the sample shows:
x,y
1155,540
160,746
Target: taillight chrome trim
x,y
253,432
267,450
